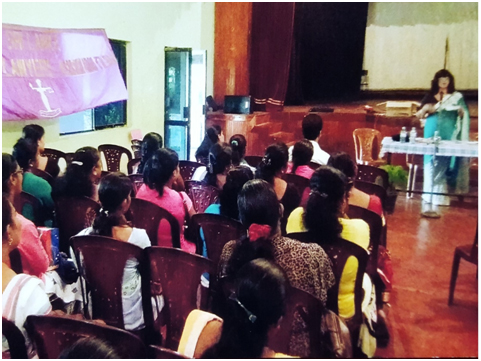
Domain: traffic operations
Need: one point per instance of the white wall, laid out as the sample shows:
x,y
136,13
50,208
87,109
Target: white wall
x,y
148,28
405,44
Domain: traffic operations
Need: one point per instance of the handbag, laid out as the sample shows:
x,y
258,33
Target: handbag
x,y
336,336
66,268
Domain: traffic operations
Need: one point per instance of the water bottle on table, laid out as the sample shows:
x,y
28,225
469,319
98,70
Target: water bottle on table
x,y
403,135
412,135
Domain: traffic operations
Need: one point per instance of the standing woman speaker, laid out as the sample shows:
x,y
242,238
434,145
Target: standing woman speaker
x,y
444,109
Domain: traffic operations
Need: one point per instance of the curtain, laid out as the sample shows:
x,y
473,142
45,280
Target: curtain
x,y
271,43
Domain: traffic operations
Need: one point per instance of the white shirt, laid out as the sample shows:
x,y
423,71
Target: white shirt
x,y
320,157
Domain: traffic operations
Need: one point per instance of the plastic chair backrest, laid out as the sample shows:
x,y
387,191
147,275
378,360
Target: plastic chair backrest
x,y
310,309
72,215
187,168
15,339
176,275
30,200
147,215
374,221
132,165
103,263
136,145
364,139
137,181
299,182
368,173
44,175
218,230
113,154
202,195
52,335
157,352
372,188
253,160
54,154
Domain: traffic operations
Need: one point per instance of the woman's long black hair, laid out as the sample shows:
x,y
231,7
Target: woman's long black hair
x,y
159,169
328,191
25,152
211,138
220,158
301,154
76,182
256,305
238,143
113,190
443,73
151,142
275,159
235,180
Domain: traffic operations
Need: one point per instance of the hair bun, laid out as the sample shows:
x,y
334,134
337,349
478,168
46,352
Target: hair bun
x,y
234,143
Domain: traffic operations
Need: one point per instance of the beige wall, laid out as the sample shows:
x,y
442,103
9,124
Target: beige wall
x,y
148,28
405,44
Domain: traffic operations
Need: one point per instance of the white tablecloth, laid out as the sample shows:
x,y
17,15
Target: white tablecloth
x,y
446,148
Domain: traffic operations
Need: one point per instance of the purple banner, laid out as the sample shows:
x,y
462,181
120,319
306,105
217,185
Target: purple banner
x,y
47,73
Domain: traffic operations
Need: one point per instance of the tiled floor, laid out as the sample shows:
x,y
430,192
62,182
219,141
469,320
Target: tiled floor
x,y
420,321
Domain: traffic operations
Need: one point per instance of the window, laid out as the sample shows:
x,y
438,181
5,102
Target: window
x,y
106,116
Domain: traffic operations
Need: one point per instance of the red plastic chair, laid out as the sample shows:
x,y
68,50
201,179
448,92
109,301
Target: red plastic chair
x,y
51,335
202,195
218,230
368,173
366,141
147,215
72,215
467,252
56,155
16,342
113,154
157,352
44,175
29,200
137,181
299,182
187,168
310,309
177,276
102,264
132,166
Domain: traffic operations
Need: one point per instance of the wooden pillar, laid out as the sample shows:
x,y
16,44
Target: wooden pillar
x,y
232,49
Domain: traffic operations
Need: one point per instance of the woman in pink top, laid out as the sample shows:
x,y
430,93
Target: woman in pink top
x,y
35,260
301,156
159,174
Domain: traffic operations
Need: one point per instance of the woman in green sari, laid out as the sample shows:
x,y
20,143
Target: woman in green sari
x,y
447,113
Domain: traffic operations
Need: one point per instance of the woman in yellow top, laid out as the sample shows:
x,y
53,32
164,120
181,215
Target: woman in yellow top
x,y
324,218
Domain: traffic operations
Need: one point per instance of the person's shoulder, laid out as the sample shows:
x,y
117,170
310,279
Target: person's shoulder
x,y
355,223
139,237
308,249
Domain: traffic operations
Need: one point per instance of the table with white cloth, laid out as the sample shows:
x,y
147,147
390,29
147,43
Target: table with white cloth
x,y
422,146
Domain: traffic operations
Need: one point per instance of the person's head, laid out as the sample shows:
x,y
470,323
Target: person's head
x,y
12,176
256,306
238,144
274,161
311,126
25,153
220,161
36,134
160,169
325,204
11,227
114,197
345,164
301,153
82,173
89,348
211,138
235,180
151,142
443,79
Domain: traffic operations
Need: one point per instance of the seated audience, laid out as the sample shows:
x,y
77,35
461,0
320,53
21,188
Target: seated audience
x,y
301,157
22,295
238,143
307,266
213,135
220,161
114,195
324,182
270,169
81,177
159,173
151,142
255,309
35,260
36,134
311,129
345,164
25,153
89,348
